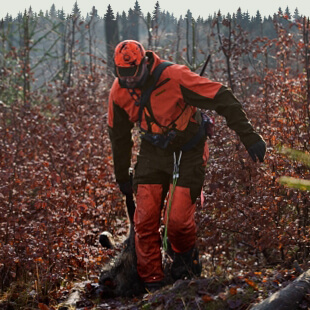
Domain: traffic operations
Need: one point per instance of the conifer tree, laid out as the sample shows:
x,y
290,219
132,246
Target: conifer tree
x,y
155,24
133,22
75,15
76,12
288,13
90,26
149,29
246,20
112,35
296,14
188,19
52,12
239,17
123,25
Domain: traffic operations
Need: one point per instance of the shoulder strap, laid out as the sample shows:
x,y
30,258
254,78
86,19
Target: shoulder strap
x,y
147,93
159,69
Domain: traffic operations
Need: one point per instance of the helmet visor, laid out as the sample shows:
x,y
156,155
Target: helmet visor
x,y
128,71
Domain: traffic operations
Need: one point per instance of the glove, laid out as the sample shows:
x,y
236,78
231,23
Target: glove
x,y
126,188
258,150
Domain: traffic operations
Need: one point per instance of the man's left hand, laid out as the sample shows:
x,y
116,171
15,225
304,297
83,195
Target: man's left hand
x,y
258,150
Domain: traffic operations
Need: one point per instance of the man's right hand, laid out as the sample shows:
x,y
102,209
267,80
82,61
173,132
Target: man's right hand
x,y
126,188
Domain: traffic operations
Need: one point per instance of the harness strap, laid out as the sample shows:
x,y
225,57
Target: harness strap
x,y
176,167
134,95
159,140
147,93
195,139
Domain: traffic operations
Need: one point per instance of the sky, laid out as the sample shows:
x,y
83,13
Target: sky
x,y
202,8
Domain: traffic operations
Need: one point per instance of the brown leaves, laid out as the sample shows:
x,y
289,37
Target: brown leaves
x,y
43,306
232,291
57,187
251,283
207,298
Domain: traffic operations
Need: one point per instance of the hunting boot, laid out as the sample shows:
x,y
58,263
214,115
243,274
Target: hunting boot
x,y
151,287
186,265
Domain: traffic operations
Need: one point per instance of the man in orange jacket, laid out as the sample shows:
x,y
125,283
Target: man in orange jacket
x,y
172,149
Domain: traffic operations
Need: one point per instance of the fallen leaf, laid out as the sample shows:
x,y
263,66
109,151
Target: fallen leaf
x,y
207,298
43,306
222,295
251,283
233,291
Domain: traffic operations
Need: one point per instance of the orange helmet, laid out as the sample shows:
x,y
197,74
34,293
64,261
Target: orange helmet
x,y
128,56
129,53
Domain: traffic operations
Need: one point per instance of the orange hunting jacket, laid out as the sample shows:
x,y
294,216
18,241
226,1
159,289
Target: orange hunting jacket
x,y
173,105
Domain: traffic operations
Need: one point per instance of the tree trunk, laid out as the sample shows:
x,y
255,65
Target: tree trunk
x,y
306,27
187,39
227,51
26,62
178,35
71,50
289,297
90,48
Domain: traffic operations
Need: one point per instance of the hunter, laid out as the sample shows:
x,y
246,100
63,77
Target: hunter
x,y
165,104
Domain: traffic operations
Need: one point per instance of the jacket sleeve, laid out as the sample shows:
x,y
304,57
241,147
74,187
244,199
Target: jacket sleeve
x,y
227,105
119,128
205,94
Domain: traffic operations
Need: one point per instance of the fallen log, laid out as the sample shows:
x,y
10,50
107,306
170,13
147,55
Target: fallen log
x,y
289,297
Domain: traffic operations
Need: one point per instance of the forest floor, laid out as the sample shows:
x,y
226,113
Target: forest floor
x,y
216,289
240,291
219,287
